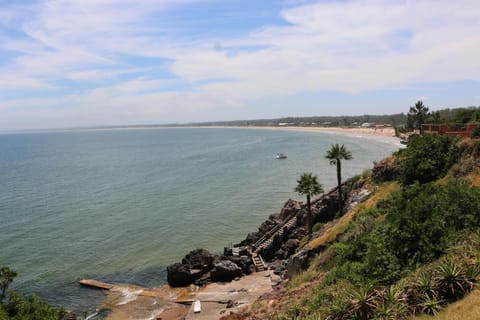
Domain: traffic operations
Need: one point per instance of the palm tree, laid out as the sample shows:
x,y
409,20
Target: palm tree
x,y
309,186
336,154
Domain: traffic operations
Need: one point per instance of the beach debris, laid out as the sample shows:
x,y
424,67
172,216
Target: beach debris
x,y
197,306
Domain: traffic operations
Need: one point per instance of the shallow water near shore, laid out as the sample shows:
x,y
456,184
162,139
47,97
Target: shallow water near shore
x,y
120,205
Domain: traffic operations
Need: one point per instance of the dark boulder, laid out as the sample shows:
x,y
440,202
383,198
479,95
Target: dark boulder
x,y
251,238
203,280
179,275
298,262
199,259
244,262
225,270
289,208
290,246
278,267
298,233
280,254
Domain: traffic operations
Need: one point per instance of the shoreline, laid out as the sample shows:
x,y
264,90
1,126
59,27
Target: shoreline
x,y
387,132
384,133
164,305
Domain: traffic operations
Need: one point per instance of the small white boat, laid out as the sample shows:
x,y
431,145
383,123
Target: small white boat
x,y
281,156
197,306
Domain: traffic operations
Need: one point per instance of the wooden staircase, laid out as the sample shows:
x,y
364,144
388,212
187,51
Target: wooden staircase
x,y
266,241
258,262
279,229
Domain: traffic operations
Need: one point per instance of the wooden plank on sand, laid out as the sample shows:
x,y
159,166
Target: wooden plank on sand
x,y
96,284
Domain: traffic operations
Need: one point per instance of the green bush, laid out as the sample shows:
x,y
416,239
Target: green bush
x,y
475,132
427,158
20,307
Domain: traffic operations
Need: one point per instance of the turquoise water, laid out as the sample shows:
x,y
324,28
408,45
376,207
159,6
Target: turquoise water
x,y
120,205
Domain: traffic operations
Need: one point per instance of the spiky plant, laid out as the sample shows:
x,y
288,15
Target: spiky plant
x,y
385,312
451,279
338,310
391,301
363,303
430,306
472,274
425,284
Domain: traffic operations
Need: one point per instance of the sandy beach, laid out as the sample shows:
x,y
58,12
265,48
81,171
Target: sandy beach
x,y
383,132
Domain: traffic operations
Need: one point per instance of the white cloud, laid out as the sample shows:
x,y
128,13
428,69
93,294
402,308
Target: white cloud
x,y
347,46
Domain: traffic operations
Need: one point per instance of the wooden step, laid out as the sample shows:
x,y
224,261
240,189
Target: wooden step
x,y
236,251
258,262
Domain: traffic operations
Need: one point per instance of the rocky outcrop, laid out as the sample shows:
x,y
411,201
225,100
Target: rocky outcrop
x,y
356,197
300,261
280,246
225,270
386,170
243,262
179,275
193,267
199,259
290,208
325,209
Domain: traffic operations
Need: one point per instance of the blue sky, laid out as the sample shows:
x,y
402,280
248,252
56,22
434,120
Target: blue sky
x,y
118,62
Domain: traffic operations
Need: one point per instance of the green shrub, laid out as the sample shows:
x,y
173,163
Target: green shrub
x,y
427,158
475,132
317,226
20,307
424,219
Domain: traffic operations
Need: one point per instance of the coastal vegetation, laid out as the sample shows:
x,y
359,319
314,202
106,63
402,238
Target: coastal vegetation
x,y
17,306
417,115
399,120
411,249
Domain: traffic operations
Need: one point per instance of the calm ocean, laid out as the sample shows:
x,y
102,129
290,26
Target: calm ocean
x,y
120,205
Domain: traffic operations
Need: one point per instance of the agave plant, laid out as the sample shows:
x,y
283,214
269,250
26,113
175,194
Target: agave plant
x,y
363,303
338,310
392,304
431,306
452,280
425,284
473,275
384,312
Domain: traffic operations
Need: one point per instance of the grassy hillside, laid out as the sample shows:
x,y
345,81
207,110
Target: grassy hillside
x,y
412,249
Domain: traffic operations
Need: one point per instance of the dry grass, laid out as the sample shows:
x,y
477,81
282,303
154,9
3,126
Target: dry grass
x,y
334,231
474,179
465,309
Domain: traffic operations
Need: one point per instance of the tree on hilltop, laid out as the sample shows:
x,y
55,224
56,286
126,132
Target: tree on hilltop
x,y
309,186
336,154
417,115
